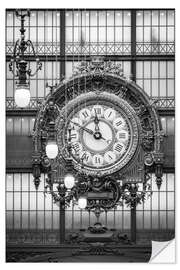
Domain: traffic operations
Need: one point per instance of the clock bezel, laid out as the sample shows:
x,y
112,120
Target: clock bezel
x,y
106,99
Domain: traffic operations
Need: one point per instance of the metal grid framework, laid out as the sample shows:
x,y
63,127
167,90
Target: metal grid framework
x,y
160,103
156,77
97,32
75,35
29,209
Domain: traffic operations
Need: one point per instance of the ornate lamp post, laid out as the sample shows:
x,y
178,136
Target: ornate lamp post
x,y
18,65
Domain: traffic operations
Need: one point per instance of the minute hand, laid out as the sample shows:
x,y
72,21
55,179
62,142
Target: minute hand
x,y
84,128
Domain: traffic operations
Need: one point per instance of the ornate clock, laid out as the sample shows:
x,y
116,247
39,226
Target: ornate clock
x,y
104,133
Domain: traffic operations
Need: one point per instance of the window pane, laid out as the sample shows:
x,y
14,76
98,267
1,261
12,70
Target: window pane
x,y
170,182
155,17
118,18
147,69
25,199
170,88
25,218
139,18
163,17
118,34
170,17
93,18
155,88
170,34
110,34
9,201
69,17
93,34
9,182
147,34
139,220
139,69
155,71
127,34
170,199
17,201
110,18
102,34
127,18
41,18
139,34
17,220
147,17
163,220
170,220
147,220
162,88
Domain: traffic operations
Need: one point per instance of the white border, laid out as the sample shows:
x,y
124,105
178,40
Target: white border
x,y
78,4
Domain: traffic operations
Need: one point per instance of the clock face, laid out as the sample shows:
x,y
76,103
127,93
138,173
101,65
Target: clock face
x,y
102,135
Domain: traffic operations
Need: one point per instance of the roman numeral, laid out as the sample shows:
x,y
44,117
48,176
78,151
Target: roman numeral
x,y
109,114
73,136
97,160
97,110
85,157
119,123
76,147
85,114
118,147
122,135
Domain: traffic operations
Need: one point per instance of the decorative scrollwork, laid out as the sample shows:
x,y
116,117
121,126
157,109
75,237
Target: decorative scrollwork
x,y
98,67
105,82
132,196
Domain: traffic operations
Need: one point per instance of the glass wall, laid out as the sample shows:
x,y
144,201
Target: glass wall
x,y
157,78
27,208
41,26
19,125
155,25
96,32
158,212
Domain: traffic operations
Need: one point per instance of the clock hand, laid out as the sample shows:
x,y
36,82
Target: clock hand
x,y
86,129
90,131
108,141
96,121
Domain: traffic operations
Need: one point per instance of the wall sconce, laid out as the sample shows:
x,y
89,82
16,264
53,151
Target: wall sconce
x,y
51,146
69,181
82,202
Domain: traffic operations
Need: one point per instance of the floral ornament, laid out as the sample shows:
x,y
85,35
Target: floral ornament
x,y
133,195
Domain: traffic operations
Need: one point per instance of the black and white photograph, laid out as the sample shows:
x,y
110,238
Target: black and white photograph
x,y
90,134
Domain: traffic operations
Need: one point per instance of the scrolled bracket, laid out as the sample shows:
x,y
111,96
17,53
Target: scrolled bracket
x,y
36,169
158,160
